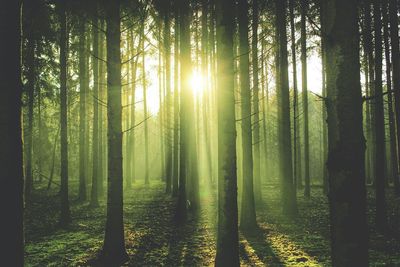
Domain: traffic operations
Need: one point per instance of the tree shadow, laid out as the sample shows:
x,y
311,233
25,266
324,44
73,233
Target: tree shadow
x,y
256,251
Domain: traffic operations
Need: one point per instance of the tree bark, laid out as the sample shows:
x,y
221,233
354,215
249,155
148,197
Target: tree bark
x,y
288,192
113,252
227,229
11,155
248,212
347,191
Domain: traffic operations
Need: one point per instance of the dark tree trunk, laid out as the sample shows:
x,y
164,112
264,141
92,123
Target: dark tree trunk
x,y
296,146
65,216
304,85
168,102
256,110
175,177
82,110
347,192
94,202
146,125
389,88
288,192
11,162
248,212
381,220
227,231
394,38
113,252
102,100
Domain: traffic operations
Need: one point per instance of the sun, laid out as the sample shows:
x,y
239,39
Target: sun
x,y
197,82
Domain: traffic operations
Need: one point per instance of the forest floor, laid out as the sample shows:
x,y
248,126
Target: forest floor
x,y
153,239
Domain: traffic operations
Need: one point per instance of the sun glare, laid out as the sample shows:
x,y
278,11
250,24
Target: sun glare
x,y
197,82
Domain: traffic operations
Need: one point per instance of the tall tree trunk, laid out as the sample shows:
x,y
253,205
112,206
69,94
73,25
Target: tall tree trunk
x,y
65,215
184,117
381,220
296,146
11,155
324,115
304,85
256,122
206,93
101,171
248,211
168,102
113,251
175,177
146,125
82,110
371,92
227,231
389,88
94,202
347,192
288,192
31,77
394,38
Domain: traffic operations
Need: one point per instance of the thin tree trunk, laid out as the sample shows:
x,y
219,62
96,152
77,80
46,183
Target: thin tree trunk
x,y
175,177
394,38
256,122
65,215
82,110
145,117
304,85
381,220
94,202
392,125
248,211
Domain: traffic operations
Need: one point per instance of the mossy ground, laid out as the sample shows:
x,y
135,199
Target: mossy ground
x,y
153,239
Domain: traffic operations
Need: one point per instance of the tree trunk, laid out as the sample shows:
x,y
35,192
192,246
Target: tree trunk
x,y
145,117
394,38
65,215
347,192
227,231
102,100
304,85
296,146
288,192
389,88
94,202
175,177
113,252
82,110
11,155
381,220
248,212
168,102
256,122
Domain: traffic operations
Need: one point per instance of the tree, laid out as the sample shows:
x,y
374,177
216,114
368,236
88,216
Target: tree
x,y
113,251
94,202
65,215
146,126
346,166
288,192
296,140
248,212
227,229
11,164
394,38
256,110
381,220
304,85
82,109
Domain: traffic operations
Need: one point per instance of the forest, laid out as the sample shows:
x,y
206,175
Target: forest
x,y
200,133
